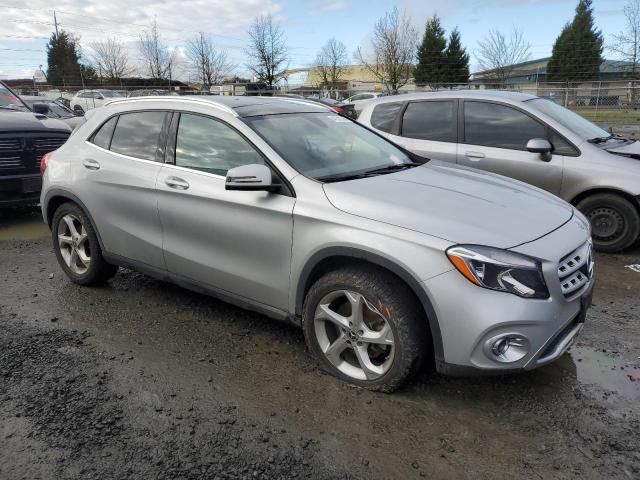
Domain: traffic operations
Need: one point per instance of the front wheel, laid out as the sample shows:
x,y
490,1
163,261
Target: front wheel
x,y
615,222
76,246
366,327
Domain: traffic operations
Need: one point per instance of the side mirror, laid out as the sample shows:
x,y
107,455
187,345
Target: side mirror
x,y
41,108
254,177
541,146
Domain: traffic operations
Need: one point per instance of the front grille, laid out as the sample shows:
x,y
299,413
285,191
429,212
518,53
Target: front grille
x,y
10,153
576,269
45,145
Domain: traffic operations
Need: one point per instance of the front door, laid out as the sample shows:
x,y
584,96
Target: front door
x,y
235,241
494,139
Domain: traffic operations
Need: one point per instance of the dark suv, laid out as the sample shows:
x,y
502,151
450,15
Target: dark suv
x,y
25,137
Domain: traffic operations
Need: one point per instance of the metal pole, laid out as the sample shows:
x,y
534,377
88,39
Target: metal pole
x,y
597,100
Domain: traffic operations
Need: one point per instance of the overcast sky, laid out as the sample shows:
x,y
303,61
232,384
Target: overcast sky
x,y
25,26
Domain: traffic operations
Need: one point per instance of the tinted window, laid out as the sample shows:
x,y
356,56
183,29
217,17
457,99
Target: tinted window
x,y
210,146
384,116
137,134
561,146
499,126
102,137
430,121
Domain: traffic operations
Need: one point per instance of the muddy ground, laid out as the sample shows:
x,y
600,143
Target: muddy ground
x,y
140,379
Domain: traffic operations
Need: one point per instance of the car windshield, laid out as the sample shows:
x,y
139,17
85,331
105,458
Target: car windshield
x,y
579,125
328,147
9,101
57,110
110,94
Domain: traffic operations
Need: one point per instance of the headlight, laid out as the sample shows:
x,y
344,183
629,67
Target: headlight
x,y
500,270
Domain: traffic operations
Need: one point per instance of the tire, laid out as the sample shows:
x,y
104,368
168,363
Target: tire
x,y
391,310
615,222
83,240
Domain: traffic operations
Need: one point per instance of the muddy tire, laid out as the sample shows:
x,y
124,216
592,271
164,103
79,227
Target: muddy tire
x,y
365,326
77,248
615,222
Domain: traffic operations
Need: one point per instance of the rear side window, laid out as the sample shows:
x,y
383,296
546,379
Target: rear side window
x,y
433,120
493,125
137,134
102,137
384,116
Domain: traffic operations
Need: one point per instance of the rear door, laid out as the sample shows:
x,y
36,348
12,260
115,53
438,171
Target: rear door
x,y
235,241
494,138
429,128
118,184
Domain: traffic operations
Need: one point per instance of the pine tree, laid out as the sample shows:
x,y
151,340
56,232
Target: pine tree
x,y
456,60
63,59
432,67
577,52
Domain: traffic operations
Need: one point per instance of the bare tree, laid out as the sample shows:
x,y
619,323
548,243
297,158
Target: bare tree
x,y
111,59
331,62
211,64
500,54
158,59
268,52
627,43
393,50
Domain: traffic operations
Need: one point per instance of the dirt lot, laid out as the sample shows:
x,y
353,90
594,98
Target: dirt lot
x,y
140,379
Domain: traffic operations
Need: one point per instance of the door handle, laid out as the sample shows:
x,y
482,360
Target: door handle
x,y
476,155
177,183
91,164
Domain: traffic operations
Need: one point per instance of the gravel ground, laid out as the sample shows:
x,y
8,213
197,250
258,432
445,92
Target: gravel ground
x,y
143,379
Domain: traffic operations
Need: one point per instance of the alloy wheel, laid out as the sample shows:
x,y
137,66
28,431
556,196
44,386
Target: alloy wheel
x,y
73,243
353,335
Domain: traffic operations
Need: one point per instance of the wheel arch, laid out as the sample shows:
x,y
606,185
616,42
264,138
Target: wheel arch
x,y
332,258
635,201
56,197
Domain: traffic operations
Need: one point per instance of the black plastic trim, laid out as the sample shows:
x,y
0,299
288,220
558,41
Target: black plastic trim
x,y
409,279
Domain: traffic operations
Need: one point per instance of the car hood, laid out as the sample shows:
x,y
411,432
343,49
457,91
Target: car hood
x,y
631,150
459,204
14,121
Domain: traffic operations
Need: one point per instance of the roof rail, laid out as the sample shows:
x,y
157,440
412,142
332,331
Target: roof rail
x,y
208,103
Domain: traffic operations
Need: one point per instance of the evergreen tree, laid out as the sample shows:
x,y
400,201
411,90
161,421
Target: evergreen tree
x,y
456,60
63,59
432,64
577,52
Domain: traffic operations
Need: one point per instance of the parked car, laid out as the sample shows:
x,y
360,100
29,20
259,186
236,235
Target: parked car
x,y
385,260
25,137
527,138
347,109
86,100
150,92
55,110
359,100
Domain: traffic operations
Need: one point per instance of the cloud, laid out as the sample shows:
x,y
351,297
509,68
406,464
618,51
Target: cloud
x,y
315,6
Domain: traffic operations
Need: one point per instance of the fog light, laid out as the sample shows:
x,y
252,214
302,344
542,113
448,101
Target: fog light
x,y
507,348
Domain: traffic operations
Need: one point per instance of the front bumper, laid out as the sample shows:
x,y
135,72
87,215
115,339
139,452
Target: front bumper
x,y
470,317
20,190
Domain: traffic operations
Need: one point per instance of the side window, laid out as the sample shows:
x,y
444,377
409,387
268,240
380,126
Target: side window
x,y
432,120
384,115
84,95
210,146
561,146
137,134
493,125
102,137
357,97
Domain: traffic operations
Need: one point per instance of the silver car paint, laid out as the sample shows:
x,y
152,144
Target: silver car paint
x,y
260,246
565,176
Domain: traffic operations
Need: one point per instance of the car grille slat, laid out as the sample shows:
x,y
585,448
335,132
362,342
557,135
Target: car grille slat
x,y
576,269
11,154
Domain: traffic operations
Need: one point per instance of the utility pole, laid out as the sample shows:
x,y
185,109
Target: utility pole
x,y
55,22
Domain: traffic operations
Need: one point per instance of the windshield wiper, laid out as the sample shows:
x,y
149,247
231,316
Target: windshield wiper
x,y
600,139
340,178
6,107
392,168
369,173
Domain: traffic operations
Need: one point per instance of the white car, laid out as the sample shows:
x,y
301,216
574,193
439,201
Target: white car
x,y
86,100
360,99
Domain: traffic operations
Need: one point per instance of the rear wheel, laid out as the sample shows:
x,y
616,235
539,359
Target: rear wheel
x,y
615,222
366,327
76,246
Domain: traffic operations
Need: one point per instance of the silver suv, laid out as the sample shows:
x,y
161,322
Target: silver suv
x,y
527,138
385,260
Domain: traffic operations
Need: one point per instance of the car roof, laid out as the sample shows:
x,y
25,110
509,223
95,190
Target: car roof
x,y
36,98
472,94
241,106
